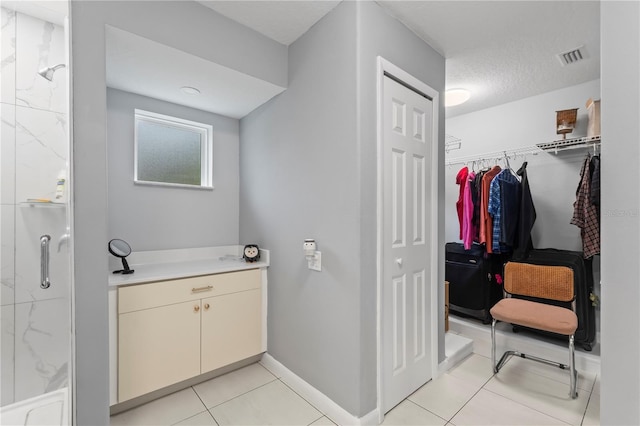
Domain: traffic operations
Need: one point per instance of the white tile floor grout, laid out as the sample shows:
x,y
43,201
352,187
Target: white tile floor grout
x,y
522,393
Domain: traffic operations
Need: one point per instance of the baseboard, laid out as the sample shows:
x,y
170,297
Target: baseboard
x,y
456,348
319,400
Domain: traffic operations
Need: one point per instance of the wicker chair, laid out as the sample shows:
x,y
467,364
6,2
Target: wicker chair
x,y
536,281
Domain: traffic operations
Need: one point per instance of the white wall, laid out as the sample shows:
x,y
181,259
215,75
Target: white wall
x,y
620,387
157,217
187,26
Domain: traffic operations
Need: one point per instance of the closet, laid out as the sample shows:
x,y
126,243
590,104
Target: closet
x,y
554,172
495,206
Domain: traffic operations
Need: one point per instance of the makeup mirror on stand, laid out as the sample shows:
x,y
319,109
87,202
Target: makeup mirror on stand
x,y
120,248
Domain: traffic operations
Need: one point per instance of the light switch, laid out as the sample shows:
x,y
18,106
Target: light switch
x,y
315,263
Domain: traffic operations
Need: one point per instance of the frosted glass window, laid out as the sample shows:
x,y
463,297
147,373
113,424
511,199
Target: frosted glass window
x,y
172,151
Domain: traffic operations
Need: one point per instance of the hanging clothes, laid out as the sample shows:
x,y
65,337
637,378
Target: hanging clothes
x,y
594,194
461,179
585,213
510,208
495,210
486,222
475,198
526,218
467,215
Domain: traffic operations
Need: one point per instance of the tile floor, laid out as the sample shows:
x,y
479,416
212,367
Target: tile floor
x,y
523,393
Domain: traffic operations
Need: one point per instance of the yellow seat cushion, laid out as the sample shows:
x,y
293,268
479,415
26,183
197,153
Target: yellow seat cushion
x,y
536,315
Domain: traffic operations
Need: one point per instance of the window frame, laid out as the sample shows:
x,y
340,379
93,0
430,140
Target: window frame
x,y
206,147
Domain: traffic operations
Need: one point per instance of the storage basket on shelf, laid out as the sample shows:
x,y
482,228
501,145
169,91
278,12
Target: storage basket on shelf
x,y
566,121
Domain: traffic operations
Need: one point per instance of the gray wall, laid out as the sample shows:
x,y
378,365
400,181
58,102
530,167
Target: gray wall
x,y
89,226
299,179
184,25
308,170
620,388
160,217
621,323
193,28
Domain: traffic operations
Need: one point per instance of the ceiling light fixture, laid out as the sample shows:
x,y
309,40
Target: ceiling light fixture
x,y
453,97
190,90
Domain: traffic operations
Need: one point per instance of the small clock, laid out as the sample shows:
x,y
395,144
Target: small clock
x,y
251,253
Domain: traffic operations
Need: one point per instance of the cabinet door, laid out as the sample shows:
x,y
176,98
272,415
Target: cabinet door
x,y
231,328
157,347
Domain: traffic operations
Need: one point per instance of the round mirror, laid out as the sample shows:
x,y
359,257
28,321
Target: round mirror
x,y
122,249
119,248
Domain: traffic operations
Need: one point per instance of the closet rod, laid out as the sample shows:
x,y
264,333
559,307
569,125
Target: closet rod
x,y
494,156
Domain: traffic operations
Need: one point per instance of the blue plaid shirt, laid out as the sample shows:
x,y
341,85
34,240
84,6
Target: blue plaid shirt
x,y
494,210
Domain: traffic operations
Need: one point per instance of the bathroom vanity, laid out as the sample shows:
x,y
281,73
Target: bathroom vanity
x,y
182,315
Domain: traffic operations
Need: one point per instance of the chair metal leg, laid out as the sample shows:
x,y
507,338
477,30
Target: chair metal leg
x,y
498,365
573,392
493,345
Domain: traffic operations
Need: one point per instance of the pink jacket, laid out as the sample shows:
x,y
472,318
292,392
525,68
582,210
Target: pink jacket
x,y
468,230
461,179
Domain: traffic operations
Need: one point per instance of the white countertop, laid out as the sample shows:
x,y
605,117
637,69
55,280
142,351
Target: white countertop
x,y
174,264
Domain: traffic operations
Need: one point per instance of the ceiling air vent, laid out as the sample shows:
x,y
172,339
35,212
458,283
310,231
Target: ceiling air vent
x,y
572,56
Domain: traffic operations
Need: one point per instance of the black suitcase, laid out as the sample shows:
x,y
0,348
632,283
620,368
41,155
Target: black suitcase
x,y
583,281
473,287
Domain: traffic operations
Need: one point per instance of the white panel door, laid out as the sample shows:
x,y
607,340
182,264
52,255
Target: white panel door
x,y
406,337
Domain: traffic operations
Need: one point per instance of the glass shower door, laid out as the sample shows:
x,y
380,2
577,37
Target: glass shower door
x,y
35,238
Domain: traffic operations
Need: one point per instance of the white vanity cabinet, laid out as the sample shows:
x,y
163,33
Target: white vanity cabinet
x,y
173,330
231,328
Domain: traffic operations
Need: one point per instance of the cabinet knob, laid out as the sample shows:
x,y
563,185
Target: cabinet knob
x,y
196,308
206,306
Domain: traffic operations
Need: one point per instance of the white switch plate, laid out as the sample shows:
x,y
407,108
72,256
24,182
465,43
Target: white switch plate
x,y
315,263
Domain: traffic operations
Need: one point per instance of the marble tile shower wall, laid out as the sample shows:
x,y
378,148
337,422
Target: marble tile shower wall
x,y
35,325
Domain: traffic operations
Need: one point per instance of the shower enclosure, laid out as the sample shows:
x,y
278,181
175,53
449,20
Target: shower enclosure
x,y
35,249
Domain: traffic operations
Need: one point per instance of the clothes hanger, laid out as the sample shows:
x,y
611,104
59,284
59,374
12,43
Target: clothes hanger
x,y
506,160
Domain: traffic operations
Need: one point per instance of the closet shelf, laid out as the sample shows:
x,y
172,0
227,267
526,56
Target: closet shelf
x,y
451,143
567,144
555,147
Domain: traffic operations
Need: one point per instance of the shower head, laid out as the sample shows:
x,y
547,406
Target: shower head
x,y
48,71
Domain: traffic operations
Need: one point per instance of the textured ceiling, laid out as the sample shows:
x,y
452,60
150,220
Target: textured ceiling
x,y
505,50
500,50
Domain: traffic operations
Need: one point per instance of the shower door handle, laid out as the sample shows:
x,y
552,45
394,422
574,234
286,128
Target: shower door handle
x,y
44,261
